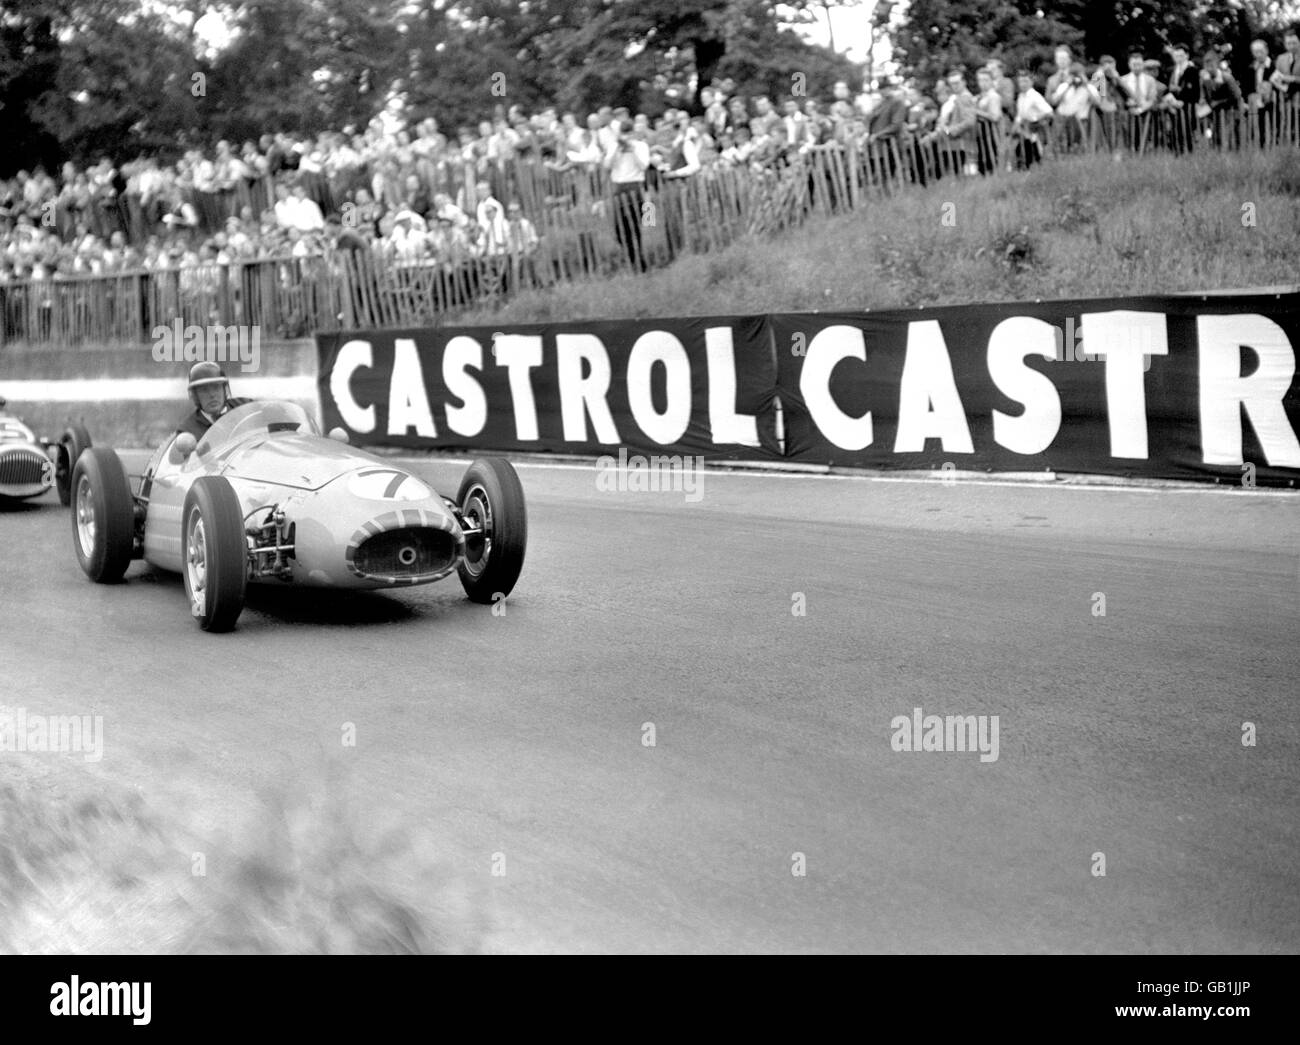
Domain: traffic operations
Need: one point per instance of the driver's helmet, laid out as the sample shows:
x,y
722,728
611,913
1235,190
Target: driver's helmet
x,y
206,374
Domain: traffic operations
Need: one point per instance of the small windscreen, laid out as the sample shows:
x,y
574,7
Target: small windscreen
x,y
262,415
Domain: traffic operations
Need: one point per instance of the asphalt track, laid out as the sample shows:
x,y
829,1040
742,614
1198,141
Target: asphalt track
x,y
518,736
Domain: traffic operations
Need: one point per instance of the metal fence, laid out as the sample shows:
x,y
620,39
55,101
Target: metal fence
x,y
587,228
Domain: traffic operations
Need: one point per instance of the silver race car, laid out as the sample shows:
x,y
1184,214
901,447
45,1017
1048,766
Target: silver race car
x,y
263,497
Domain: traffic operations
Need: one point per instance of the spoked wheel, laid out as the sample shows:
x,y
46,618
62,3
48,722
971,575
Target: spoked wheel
x,y
492,511
103,515
216,553
75,439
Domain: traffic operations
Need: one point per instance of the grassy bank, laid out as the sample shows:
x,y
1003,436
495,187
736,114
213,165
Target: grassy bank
x,y
1083,228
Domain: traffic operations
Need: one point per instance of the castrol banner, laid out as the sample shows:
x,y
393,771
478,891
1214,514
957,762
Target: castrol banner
x,y
703,387
1178,387
1172,387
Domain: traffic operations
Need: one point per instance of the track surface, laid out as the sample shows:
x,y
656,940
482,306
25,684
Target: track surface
x,y
521,734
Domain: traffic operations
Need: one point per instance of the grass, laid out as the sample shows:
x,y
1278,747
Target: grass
x,y
304,872
1082,228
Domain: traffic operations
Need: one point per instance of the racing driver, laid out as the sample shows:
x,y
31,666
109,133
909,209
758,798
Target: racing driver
x,y
210,393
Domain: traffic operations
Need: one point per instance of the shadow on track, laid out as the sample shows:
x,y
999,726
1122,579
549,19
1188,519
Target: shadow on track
x,y
290,605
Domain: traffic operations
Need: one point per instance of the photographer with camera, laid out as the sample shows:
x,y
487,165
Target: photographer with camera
x,y
1073,101
627,161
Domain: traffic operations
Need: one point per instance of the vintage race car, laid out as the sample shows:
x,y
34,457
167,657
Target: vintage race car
x,y
263,497
29,466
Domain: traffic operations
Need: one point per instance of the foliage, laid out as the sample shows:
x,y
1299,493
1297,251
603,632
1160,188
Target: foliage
x,y
85,78
934,35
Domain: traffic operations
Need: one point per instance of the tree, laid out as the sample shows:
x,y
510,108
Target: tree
x,y
29,66
937,34
620,41
302,65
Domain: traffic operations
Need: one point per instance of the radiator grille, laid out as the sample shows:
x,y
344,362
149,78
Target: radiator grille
x,y
413,552
22,467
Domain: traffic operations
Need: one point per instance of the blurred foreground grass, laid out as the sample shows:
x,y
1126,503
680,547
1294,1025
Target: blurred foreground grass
x,y
307,873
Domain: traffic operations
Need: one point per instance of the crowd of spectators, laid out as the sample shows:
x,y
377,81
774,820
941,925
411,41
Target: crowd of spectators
x,y
419,196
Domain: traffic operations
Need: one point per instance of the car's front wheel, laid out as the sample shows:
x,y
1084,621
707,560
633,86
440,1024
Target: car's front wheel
x,y
103,515
75,440
493,515
216,553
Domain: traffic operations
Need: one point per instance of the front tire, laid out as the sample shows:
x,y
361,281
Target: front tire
x,y
103,515
492,499
215,553
75,440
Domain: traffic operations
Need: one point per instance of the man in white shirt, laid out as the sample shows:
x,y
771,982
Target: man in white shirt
x,y
1073,100
1032,114
285,210
627,160
307,216
491,219
607,129
988,126
408,240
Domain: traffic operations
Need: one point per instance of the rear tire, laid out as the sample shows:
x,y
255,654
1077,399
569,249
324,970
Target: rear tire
x,y
75,440
491,497
103,515
215,553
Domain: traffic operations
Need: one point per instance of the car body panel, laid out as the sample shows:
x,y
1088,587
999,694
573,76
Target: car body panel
x,y
26,464
334,498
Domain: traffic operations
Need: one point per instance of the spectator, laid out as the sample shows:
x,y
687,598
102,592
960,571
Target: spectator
x,y
1073,101
417,196
1110,94
1220,100
1064,59
842,108
988,121
1033,113
956,125
491,220
1259,90
1005,87
627,162
767,117
1142,94
1180,100
1286,75
307,215
684,156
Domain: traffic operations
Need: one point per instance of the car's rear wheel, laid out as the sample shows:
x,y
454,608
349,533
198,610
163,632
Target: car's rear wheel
x,y
215,553
492,510
103,515
75,440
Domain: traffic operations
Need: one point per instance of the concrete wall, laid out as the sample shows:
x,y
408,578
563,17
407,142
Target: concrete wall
x,y
127,398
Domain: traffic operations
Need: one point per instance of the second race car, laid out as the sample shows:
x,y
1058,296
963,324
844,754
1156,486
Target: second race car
x,y
30,466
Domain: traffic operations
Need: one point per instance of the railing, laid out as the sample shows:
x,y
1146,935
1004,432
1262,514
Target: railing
x,y
586,229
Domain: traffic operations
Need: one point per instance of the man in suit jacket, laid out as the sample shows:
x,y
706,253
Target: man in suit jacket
x,y
1184,92
1142,94
958,123
1286,76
